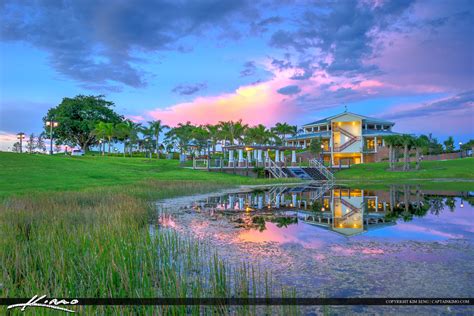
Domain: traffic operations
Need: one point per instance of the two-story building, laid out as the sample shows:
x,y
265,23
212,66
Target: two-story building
x,y
347,138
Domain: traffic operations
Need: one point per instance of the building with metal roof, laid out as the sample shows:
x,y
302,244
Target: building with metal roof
x,y
347,138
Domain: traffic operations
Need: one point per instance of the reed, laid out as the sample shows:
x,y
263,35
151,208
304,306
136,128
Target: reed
x,y
106,243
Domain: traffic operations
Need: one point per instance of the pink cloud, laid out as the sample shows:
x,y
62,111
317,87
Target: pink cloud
x,y
135,118
7,140
254,104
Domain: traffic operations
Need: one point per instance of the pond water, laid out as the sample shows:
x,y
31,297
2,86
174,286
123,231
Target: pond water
x,y
343,242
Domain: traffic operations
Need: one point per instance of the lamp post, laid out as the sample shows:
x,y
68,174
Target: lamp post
x,y
21,136
460,148
208,154
322,153
51,124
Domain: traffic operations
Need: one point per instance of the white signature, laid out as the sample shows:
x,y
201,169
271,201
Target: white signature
x,y
40,301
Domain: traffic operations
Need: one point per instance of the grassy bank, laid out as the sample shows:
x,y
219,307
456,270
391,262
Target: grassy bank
x,y
460,170
98,244
35,173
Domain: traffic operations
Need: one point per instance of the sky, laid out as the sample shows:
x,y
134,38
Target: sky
x,y
411,62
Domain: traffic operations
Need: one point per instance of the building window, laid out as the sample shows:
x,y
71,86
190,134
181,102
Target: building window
x,y
369,144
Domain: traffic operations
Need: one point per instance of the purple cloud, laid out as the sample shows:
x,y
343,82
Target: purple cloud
x,y
189,89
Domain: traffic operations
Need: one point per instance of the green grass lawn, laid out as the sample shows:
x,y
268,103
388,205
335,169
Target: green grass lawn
x,y
452,170
21,173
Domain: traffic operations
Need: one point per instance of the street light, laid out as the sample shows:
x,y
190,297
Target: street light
x,y
21,136
208,154
322,153
460,149
51,124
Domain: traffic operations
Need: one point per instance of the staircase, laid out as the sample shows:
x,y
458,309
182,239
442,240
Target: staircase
x,y
352,138
275,170
316,164
353,211
298,172
319,191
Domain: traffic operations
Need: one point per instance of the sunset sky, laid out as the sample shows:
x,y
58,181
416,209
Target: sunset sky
x,y
262,61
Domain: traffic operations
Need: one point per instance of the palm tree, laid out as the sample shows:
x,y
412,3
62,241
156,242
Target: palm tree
x,y
122,133
420,143
147,141
132,129
392,141
283,129
214,135
156,128
100,132
407,142
182,134
449,144
232,131
259,135
109,133
200,135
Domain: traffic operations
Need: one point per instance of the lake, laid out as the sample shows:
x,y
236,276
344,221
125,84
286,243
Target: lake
x,y
332,241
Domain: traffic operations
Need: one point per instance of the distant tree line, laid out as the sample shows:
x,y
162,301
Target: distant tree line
x,y
423,145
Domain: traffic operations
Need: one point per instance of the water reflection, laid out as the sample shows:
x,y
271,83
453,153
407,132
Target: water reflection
x,y
344,211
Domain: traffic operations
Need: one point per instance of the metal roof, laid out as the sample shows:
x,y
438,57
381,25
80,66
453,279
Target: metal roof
x,y
366,119
311,135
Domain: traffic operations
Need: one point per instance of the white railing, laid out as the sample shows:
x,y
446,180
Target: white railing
x,y
321,168
320,190
276,170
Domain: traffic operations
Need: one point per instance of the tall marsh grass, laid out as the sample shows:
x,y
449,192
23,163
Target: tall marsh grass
x,y
106,243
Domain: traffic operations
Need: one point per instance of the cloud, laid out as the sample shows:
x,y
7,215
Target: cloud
x,y
262,26
188,89
22,116
462,102
255,104
7,140
342,31
289,90
98,44
448,116
249,69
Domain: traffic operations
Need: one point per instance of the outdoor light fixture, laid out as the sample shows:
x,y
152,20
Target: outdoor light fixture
x,y
462,203
51,124
21,136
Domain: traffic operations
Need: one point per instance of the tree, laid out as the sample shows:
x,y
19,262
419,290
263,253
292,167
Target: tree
x,y
122,133
40,145
420,143
233,131
468,145
16,147
407,142
283,129
99,132
315,146
31,143
156,128
449,144
133,129
200,135
78,117
392,142
182,135
214,135
147,142
258,135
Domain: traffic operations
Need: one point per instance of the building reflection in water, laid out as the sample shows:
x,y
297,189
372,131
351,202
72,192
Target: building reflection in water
x,y
342,210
